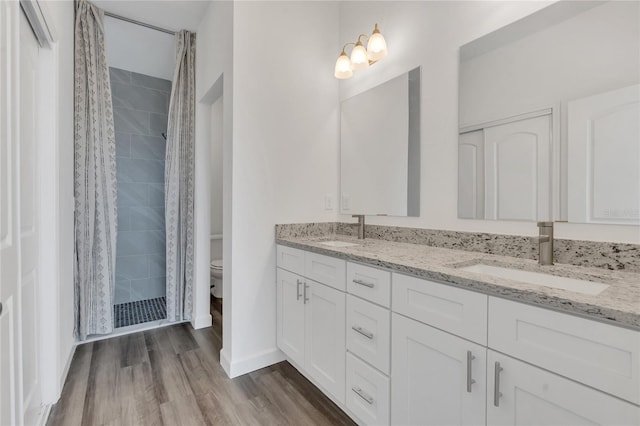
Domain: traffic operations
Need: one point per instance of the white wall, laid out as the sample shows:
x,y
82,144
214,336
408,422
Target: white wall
x,y
214,77
139,49
280,106
284,150
215,176
430,34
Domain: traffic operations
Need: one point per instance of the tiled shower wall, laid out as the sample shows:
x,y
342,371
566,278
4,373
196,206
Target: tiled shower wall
x,y
140,105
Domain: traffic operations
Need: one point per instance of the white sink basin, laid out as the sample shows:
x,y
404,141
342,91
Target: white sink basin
x,y
338,244
536,278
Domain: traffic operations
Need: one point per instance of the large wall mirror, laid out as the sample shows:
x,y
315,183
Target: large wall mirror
x,y
380,149
549,111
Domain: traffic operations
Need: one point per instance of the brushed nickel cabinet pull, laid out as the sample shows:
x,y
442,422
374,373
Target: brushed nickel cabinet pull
x,y
470,381
365,333
364,283
496,385
306,299
299,283
362,395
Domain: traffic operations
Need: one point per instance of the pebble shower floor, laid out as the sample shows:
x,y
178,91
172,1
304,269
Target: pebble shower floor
x,y
132,313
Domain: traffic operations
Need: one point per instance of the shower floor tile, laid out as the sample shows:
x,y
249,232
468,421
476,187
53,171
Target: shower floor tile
x,y
132,313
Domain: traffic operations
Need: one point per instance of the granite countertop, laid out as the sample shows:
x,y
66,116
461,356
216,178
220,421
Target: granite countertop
x,y
619,304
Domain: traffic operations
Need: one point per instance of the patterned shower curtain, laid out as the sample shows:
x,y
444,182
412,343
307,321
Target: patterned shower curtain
x,y
94,177
179,181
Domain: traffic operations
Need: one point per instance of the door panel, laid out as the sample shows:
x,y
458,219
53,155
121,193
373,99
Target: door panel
x,y
325,338
527,395
31,392
290,321
10,409
518,170
429,376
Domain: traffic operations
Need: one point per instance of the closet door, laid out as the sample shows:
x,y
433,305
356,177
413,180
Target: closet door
x,y
9,219
518,170
29,232
604,158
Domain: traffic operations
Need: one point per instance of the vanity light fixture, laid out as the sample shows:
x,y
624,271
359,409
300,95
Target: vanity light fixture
x,y
361,58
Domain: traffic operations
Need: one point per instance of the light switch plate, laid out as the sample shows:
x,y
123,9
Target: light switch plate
x,y
346,202
328,202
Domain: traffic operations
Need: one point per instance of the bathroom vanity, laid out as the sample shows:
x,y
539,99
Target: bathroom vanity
x,y
400,333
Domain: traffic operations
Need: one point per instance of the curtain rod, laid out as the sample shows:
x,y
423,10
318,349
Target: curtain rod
x,y
143,24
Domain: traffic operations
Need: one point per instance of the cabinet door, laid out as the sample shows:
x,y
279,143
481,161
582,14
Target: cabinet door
x,y
290,317
521,394
431,374
325,337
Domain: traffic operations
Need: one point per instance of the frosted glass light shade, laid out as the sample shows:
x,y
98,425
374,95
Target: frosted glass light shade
x,y
343,67
377,46
359,58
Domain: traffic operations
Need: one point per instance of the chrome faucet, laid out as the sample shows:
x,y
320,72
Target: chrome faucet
x,y
360,225
545,243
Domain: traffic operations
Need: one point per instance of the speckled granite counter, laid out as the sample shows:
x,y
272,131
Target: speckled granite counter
x,y
619,304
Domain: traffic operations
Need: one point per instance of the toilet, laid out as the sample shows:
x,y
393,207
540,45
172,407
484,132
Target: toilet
x,y
216,276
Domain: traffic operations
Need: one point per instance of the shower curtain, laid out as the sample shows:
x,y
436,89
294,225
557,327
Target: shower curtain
x,y
179,182
94,177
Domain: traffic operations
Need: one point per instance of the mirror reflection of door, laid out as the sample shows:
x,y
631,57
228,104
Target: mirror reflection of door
x,y
504,171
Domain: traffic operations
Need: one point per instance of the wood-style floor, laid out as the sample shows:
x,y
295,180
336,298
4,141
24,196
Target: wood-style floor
x,y
172,376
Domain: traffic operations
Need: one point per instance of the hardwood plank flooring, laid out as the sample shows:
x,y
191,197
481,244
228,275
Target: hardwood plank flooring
x,y
172,376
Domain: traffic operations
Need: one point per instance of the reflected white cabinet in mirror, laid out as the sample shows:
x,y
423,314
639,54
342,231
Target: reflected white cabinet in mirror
x,y
380,149
566,65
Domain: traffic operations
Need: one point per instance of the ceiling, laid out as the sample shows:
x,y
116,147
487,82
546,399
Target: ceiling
x,y
170,14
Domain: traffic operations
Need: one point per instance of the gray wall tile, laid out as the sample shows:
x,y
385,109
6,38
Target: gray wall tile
x,y
148,288
151,82
123,292
131,267
140,113
123,144
124,222
156,195
132,243
131,121
116,75
139,98
148,147
157,265
158,124
131,194
136,170
147,218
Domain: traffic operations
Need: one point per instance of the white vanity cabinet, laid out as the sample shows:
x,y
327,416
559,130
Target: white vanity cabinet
x,y
521,394
311,317
437,377
402,350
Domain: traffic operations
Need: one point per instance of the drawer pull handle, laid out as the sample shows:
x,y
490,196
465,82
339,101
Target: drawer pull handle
x,y
365,333
362,395
306,299
496,384
299,283
364,283
470,381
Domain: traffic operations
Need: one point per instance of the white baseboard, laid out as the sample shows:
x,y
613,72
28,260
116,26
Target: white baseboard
x,y
46,410
202,321
235,368
224,362
65,370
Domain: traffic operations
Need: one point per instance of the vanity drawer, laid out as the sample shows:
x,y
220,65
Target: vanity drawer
x,y
457,311
603,356
368,332
326,270
369,283
367,392
290,259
